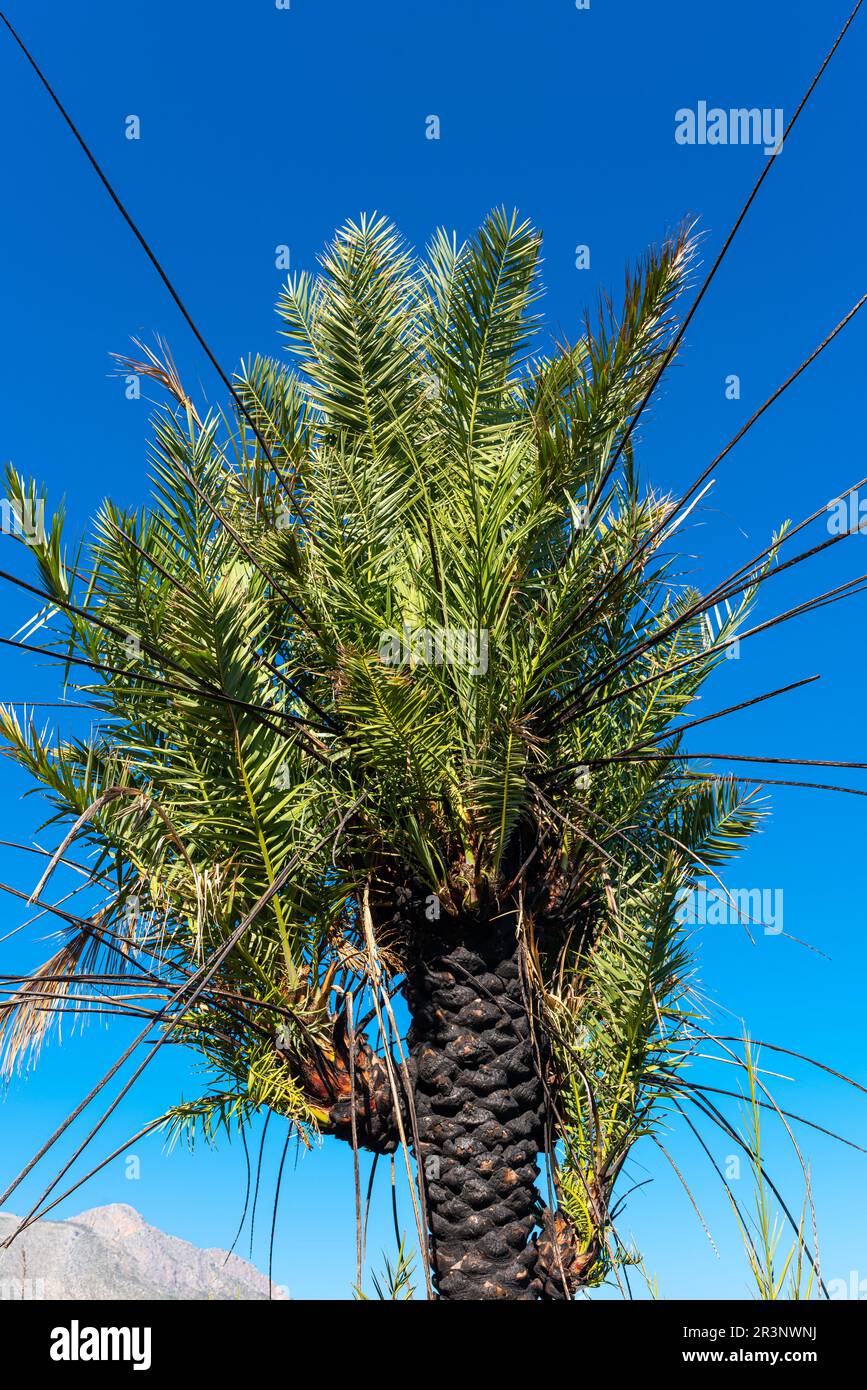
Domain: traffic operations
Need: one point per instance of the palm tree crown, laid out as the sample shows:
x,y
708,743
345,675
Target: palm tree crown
x,y
402,651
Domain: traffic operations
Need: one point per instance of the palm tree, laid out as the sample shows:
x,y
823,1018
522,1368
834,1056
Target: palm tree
x,y
388,793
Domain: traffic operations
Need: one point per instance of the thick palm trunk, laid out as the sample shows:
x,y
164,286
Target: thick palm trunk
x,y
479,1102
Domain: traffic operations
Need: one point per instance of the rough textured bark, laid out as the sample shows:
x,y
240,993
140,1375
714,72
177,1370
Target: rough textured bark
x,y
479,1101
480,1106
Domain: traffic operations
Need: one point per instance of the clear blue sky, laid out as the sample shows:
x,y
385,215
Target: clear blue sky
x,y
262,127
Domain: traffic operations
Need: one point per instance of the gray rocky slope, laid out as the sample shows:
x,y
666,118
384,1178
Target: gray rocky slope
x,y
112,1253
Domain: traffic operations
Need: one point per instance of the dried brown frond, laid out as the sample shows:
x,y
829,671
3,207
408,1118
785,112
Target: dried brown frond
x,y
159,367
26,1017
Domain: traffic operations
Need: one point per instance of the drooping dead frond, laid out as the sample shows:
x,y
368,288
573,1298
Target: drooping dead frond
x,y
26,1018
158,366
